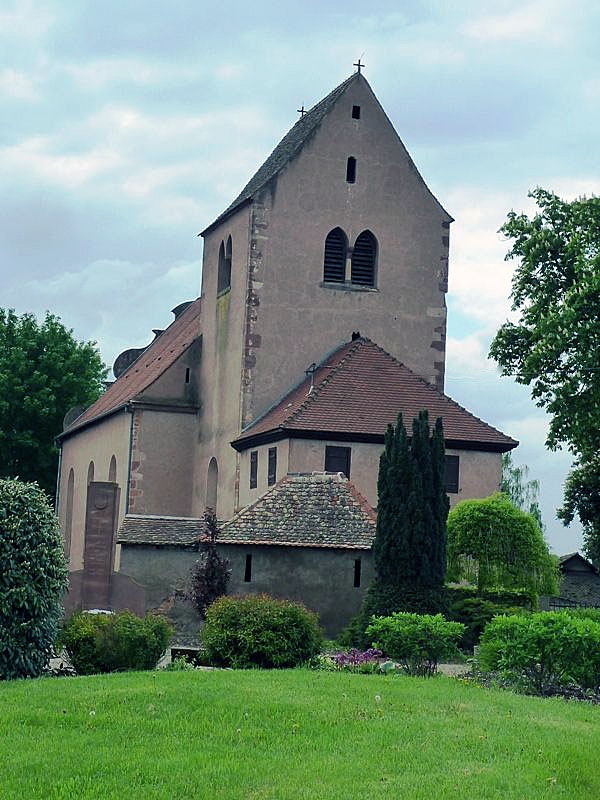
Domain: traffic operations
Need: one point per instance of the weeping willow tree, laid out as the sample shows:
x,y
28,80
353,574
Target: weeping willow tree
x,y
494,544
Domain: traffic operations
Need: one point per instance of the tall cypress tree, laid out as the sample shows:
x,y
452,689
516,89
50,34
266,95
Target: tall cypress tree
x,y
409,550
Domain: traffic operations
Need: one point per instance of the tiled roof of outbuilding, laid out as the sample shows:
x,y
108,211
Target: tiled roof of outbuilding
x,y
288,147
149,529
357,391
152,363
315,510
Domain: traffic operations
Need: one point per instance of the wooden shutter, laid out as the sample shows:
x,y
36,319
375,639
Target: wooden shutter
x,y
363,260
334,262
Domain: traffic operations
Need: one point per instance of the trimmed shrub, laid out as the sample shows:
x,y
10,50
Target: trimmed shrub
x,y
540,652
504,597
260,631
33,578
416,641
475,613
114,642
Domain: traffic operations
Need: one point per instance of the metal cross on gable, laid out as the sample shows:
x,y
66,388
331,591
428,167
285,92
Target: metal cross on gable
x,y
302,111
359,65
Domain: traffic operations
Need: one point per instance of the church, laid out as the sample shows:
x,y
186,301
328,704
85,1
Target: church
x,y
322,315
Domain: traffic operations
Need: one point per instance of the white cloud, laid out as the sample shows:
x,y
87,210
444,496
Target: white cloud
x,y
17,85
116,302
38,158
25,20
544,18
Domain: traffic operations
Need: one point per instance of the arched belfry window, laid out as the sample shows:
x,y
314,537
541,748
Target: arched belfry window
x,y
224,274
212,485
334,262
364,257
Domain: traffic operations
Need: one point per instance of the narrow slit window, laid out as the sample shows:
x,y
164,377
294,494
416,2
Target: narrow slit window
x,y
187,374
357,567
248,570
355,112
272,474
351,170
254,469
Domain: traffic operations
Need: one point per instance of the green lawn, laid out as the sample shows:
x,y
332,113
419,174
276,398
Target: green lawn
x,y
290,734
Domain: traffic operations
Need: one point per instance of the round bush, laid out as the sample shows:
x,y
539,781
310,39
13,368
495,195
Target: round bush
x,y
475,613
416,641
33,578
543,651
260,631
114,642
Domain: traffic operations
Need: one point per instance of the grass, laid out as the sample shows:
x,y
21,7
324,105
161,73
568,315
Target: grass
x,y
290,734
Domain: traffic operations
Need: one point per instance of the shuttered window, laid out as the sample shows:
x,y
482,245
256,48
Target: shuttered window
x,y
334,264
363,260
254,469
337,459
452,470
272,473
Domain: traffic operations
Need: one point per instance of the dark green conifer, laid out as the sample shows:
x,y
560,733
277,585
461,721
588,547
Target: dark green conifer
x,y
409,550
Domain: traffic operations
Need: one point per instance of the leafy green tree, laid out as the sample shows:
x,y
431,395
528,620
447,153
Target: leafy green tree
x,y
582,497
496,545
410,541
555,345
44,371
33,578
523,493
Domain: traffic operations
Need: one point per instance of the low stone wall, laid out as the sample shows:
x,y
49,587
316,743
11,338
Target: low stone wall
x,y
321,578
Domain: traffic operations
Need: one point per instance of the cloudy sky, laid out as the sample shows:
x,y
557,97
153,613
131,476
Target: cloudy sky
x,y
126,127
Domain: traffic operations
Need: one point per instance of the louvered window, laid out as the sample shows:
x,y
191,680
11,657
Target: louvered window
x,y
363,260
334,265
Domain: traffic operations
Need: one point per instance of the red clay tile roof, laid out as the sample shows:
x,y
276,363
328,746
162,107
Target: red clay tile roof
x,y
153,362
312,510
357,391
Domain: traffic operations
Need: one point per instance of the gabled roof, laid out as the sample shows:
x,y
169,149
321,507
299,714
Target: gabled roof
x,y
316,510
151,364
356,392
288,148
576,556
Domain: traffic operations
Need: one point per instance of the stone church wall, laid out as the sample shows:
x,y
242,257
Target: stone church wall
x,y
95,445
298,318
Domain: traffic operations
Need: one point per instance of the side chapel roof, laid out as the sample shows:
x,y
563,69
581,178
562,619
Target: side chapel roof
x,y
312,510
151,364
356,392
